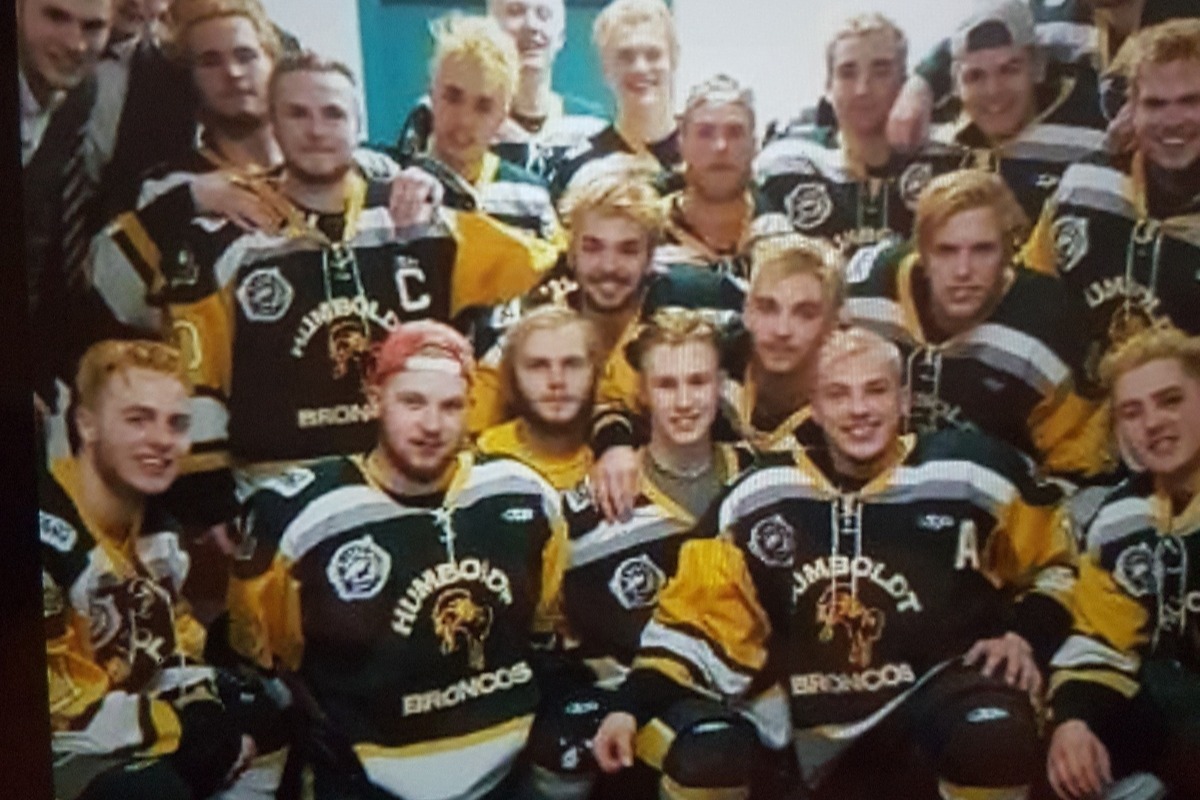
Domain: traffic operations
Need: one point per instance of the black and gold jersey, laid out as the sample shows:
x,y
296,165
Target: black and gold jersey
x,y
851,598
1015,375
1135,601
410,619
122,646
616,570
1127,265
1069,128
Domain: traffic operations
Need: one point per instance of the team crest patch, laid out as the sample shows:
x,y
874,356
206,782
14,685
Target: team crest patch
x,y
104,620
359,569
185,272
913,180
1134,571
579,497
265,295
809,205
56,532
1070,241
636,582
773,541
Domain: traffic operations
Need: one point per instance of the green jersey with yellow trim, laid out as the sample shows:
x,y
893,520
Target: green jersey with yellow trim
x,y
1128,262
122,647
821,192
410,619
615,570
852,598
1136,601
1069,128
1013,375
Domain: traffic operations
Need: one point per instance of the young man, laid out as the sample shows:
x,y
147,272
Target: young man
x,y
1020,116
844,183
58,44
278,326
708,221
1126,684
1122,235
837,571
614,575
475,72
229,48
542,125
403,588
548,373
1087,32
987,344
615,222
133,713
793,303
639,50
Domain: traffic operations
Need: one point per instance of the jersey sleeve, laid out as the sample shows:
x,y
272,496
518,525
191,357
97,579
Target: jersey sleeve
x,y
494,262
549,616
263,595
1032,553
1097,668
1039,252
709,631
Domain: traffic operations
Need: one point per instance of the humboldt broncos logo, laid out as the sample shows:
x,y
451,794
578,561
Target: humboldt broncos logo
x,y
839,607
458,619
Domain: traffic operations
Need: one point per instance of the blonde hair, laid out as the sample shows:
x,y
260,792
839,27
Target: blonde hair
x,y
1159,341
617,192
480,42
778,256
621,14
856,341
864,25
106,359
673,326
550,317
965,190
183,15
305,61
1175,40
718,90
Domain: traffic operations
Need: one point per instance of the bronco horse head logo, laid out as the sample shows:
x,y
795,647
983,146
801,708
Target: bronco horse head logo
x,y
839,607
457,617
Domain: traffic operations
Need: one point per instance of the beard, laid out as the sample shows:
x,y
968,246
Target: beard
x,y
235,126
417,473
574,428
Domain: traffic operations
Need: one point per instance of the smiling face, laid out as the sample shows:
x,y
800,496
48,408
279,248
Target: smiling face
x,y
997,87
865,76
859,405
718,147
136,432
422,418
610,255
60,40
1156,408
787,318
637,66
966,262
682,388
230,69
315,119
1166,113
537,26
554,376
468,110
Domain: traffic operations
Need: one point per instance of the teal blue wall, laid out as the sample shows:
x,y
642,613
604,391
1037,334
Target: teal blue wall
x,y
396,50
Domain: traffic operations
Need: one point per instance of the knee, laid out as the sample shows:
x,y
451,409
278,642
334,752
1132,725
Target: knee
x,y
990,741
712,754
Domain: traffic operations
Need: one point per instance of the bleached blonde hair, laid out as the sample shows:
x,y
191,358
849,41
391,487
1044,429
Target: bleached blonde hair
x,y
480,42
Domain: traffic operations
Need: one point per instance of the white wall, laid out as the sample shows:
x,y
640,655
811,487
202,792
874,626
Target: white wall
x,y
330,27
778,46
